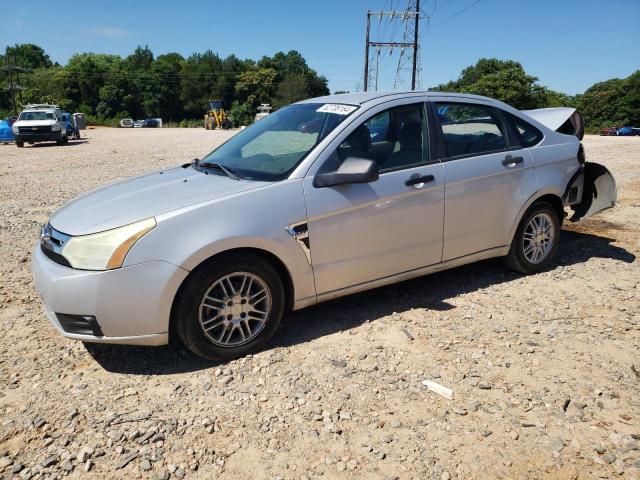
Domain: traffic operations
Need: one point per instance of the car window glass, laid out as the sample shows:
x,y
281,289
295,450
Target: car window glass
x,y
393,139
272,147
528,134
469,129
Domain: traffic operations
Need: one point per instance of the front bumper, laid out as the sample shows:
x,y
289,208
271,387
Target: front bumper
x,y
132,305
37,137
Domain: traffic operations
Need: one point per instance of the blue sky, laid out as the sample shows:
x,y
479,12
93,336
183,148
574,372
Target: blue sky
x,y
568,44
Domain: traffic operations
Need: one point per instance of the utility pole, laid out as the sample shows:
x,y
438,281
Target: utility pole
x,y
13,95
366,54
9,68
415,48
408,42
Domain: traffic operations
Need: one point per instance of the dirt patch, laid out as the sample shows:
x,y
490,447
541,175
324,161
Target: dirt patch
x,y
540,366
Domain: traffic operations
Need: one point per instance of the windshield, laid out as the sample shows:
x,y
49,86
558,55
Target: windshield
x,y
37,116
272,147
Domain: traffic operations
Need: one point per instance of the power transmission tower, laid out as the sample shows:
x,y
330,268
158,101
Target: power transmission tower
x,y
411,26
410,19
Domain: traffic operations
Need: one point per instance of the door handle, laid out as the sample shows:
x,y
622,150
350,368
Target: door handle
x,y
417,179
510,161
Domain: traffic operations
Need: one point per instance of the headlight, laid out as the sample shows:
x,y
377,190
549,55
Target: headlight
x,y
55,127
14,129
105,250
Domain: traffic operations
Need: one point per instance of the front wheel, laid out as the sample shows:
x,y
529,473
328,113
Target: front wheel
x,y
536,241
19,144
230,307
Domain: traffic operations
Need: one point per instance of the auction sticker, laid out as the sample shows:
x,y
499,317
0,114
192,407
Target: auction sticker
x,y
337,109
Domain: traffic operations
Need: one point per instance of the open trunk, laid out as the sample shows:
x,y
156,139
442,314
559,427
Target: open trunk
x,y
592,189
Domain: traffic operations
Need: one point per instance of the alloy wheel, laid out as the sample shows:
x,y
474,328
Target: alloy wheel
x,y
235,309
539,236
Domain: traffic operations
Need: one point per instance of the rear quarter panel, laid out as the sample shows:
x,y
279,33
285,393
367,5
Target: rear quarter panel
x,y
555,161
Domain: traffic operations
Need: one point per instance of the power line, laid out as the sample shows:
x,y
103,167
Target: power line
x,y
459,12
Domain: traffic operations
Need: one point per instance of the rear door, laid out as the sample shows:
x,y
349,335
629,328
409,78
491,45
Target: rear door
x,y
489,176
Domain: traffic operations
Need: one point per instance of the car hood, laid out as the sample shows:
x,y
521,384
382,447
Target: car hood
x,y
143,197
34,123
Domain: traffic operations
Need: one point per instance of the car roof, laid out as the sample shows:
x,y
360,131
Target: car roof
x,y
374,98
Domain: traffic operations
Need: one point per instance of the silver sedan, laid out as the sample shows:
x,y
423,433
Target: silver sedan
x,y
320,199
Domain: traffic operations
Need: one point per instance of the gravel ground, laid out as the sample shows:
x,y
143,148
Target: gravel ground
x,y
544,369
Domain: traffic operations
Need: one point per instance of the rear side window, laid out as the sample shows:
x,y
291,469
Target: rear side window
x,y
528,134
470,129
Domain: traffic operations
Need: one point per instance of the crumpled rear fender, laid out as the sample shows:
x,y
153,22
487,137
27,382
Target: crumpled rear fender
x,y
598,191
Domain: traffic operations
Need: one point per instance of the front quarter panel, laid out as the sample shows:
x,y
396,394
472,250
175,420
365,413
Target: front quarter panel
x,y
252,219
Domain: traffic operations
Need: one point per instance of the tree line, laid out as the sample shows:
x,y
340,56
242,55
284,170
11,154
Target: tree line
x,y
175,88
614,102
141,85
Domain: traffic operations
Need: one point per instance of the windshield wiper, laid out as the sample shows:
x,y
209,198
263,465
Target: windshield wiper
x,y
195,163
227,171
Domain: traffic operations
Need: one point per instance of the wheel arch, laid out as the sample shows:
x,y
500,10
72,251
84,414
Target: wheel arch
x,y
269,257
551,197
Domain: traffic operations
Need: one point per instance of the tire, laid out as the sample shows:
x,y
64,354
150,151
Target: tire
x,y
19,144
65,140
205,301
59,141
532,250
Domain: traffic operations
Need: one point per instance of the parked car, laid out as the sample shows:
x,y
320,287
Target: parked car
x,y
276,219
138,124
609,131
628,131
126,123
40,123
150,123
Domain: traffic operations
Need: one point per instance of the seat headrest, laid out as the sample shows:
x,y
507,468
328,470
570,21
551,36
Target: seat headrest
x,y
410,137
360,138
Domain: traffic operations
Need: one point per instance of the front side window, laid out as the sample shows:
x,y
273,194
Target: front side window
x,y
271,148
470,129
394,139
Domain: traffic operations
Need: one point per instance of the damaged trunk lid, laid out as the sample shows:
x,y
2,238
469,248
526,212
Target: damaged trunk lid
x,y
593,188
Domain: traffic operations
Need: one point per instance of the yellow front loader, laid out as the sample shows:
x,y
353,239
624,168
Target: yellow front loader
x,y
216,117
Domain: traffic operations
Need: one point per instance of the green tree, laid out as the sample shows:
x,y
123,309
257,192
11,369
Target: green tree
x,y
292,88
28,55
256,86
612,103
503,80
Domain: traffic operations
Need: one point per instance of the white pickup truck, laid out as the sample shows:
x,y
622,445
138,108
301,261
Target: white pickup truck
x,y
40,123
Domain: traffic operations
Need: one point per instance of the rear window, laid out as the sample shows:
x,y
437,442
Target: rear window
x,y
528,134
470,129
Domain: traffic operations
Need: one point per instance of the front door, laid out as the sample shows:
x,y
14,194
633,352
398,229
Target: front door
x,y
363,232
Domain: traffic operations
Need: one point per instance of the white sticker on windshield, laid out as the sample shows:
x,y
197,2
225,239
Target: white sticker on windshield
x,y
337,109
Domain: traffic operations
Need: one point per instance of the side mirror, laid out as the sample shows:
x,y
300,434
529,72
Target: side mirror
x,y
352,170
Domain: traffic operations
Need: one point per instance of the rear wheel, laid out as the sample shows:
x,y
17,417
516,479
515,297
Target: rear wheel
x,y
536,241
19,144
230,307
